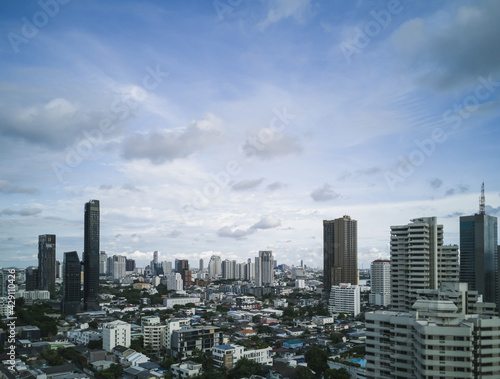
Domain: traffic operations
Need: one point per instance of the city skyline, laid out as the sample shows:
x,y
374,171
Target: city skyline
x,y
266,119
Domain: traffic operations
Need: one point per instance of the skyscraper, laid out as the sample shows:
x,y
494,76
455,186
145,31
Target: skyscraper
x,y
264,268
419,261
215,266
47,262
201,265
71,283
380,277
103,263
91,256
340,252
479,253
182,267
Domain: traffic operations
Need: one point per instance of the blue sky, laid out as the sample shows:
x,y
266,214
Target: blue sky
x,y
230,127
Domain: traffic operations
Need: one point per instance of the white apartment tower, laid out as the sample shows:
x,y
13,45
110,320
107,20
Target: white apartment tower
x,y
214,266
175,282
345,298
115,333
419,261
380,273
434,341
264,268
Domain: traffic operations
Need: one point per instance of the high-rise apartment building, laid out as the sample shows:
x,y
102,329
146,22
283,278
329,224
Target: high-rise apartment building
x,y
215,266
71,302
340,252
182,267
47,262
419,261
264,268
117,266
439,339
91,256
380,278
103,263
345,298
479,254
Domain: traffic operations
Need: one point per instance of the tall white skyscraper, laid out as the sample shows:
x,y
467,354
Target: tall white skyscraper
x,y
380,273
215,266
264,268
419,261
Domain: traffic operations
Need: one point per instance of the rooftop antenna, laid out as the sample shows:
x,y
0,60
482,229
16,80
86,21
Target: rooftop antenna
x,y
482,205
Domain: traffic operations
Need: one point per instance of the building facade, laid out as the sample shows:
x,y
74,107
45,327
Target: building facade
x,y
47,262
71,291
91,256
340,252
184,341
345,298
434,341
264,268
419,261
479,255
115,333
380,277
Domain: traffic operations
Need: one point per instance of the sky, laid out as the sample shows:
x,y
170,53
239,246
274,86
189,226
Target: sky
x,y
233,126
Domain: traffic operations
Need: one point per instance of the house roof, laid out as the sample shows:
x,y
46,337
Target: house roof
x,y
247,331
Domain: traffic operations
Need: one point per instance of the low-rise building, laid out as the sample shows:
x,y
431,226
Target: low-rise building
x,y
204,338
228,355
170,302
186,369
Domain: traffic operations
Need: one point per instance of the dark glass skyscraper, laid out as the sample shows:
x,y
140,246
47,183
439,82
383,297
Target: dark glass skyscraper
x,y
91,257
479,255
71,283
47,262
340,252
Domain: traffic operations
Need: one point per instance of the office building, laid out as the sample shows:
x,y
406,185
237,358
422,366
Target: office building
x,y
264,268
419,261
115,333
91,256
47,262
380,278
103,263
58,270
479,253
340,252
31,282
71,290
130,265
201,265
345,298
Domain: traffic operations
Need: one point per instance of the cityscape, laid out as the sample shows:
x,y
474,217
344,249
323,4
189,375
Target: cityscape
x,y
279,189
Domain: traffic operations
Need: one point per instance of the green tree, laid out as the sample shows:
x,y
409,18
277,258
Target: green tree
x,y
93,324
113,372
316,359
245,368
304,373
341,373
95,344
335,338
52,357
